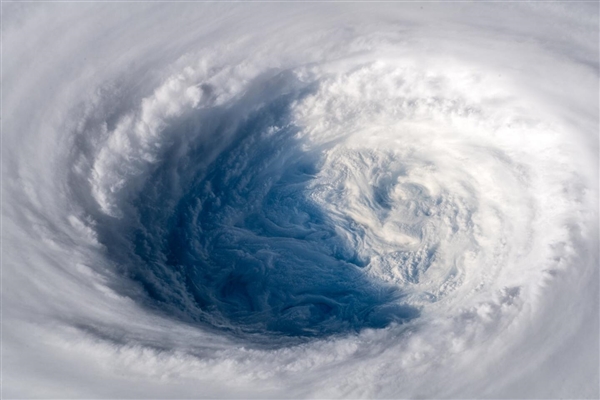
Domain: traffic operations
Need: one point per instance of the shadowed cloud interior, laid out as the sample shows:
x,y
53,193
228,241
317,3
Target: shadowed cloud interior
x,y
236,242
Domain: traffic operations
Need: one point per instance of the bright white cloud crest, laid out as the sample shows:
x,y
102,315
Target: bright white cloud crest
x,y
300,200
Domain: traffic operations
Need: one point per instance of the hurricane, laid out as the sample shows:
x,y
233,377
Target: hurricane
x,y
300,199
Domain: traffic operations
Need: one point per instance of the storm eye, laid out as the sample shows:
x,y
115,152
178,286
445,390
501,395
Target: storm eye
x,y
241,244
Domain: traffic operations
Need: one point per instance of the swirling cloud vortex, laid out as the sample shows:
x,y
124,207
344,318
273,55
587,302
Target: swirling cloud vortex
x,y
300,200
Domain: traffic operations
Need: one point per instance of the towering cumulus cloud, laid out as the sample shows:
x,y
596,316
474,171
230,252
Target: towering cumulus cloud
x,y
304,200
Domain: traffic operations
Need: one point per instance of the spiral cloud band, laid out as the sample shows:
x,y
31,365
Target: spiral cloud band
x,y
321,200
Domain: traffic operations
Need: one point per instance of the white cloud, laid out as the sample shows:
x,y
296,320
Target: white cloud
x,y
454,150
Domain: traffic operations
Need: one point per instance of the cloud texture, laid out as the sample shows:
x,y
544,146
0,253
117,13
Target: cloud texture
x,y
300,200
